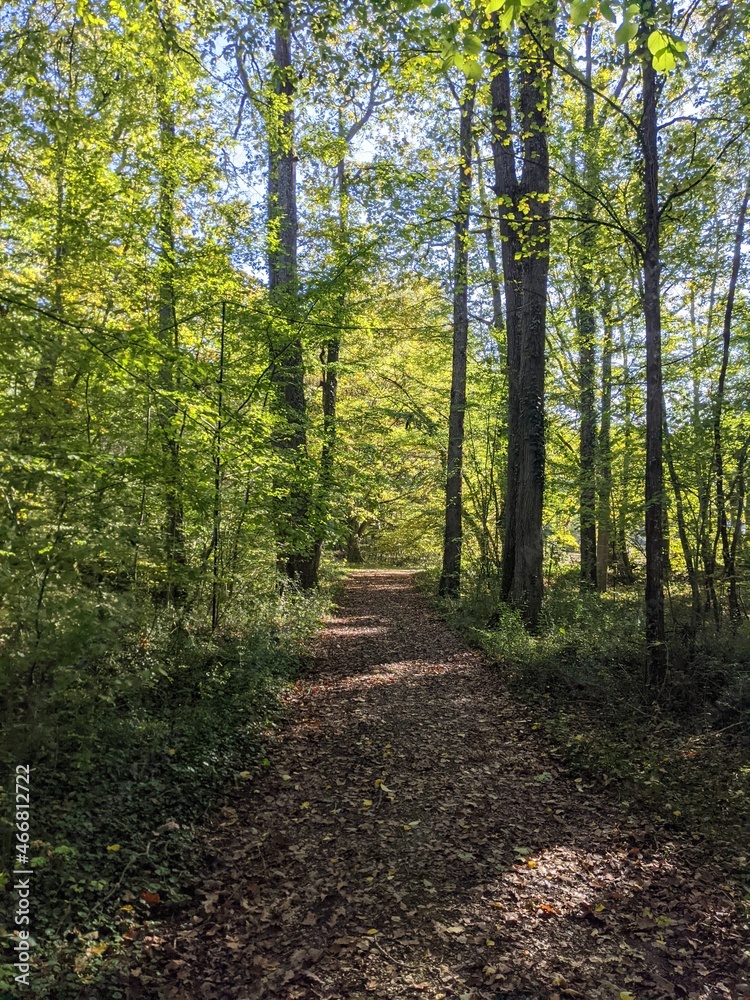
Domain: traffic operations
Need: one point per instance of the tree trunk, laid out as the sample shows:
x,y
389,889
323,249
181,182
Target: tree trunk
x,y
216,539
354,540
656,667
524,229
297,558
167,408
624,569
687,552
450,579
604,516
586,323
721,506
737,533
498,320
506,192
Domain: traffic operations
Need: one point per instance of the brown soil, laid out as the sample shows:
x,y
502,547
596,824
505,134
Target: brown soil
x,y
413,837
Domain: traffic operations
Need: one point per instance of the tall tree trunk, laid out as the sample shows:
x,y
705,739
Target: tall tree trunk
x,y
737,532
506,191
498,319
450,579
687,552
702,476
721,506
624,569
167,407
329,357
586,323
604,498
524,227
216,539
656,667
297,558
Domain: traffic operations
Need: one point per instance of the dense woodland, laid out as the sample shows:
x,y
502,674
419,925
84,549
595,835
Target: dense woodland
x,y
297,285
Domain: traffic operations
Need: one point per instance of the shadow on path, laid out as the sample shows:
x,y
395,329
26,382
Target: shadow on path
x,y
414,838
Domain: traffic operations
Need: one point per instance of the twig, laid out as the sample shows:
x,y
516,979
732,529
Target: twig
x,y
396,961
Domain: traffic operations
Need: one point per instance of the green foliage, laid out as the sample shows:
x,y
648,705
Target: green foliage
x,y
132,746
581,678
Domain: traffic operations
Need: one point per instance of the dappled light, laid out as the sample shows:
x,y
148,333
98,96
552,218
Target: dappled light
x,y
374,549
413,836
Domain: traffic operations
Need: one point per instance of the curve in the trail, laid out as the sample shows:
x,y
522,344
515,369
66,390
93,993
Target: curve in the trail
x,y
413,837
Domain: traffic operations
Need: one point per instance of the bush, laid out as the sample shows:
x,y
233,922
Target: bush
x,y
582,678
131,742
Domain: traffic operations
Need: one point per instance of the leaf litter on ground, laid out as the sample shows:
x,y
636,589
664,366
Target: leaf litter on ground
x,y
480,868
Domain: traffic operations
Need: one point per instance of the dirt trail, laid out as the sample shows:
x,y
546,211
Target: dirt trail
x,y
413,837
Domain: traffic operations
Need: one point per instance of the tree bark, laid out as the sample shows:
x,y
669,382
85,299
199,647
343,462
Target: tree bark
x,y
297,557
167,407
524,227
586,323
604,463
624,569
450,579
687,552
498,319
656,667
728,549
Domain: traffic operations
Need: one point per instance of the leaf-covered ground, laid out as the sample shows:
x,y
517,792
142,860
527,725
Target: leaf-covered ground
x,y
413,837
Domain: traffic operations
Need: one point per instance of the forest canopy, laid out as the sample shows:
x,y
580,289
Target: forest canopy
x,y
292,285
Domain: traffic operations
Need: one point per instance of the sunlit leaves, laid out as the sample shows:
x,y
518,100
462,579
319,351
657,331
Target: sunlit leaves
x,y
666,50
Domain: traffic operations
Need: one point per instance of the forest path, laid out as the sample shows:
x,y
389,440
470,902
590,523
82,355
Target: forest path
x,y
413,837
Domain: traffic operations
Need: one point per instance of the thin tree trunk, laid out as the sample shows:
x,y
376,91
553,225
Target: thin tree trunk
x,y
498,319
450,579
167,408
604,516
586,323
721,506
624,569
218,473
656,668
737,532
687,552
702,476
506,192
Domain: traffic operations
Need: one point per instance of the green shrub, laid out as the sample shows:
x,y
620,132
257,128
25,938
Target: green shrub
x,y
134,735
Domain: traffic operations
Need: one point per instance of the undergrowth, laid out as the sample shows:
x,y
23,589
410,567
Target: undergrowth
x,y
130,743
685,756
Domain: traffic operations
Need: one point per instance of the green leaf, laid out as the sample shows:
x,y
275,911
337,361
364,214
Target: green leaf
x,y
627,31
440,10
472,45
508,16
494,5
658,41
473,69
580,11
664,61
607,12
